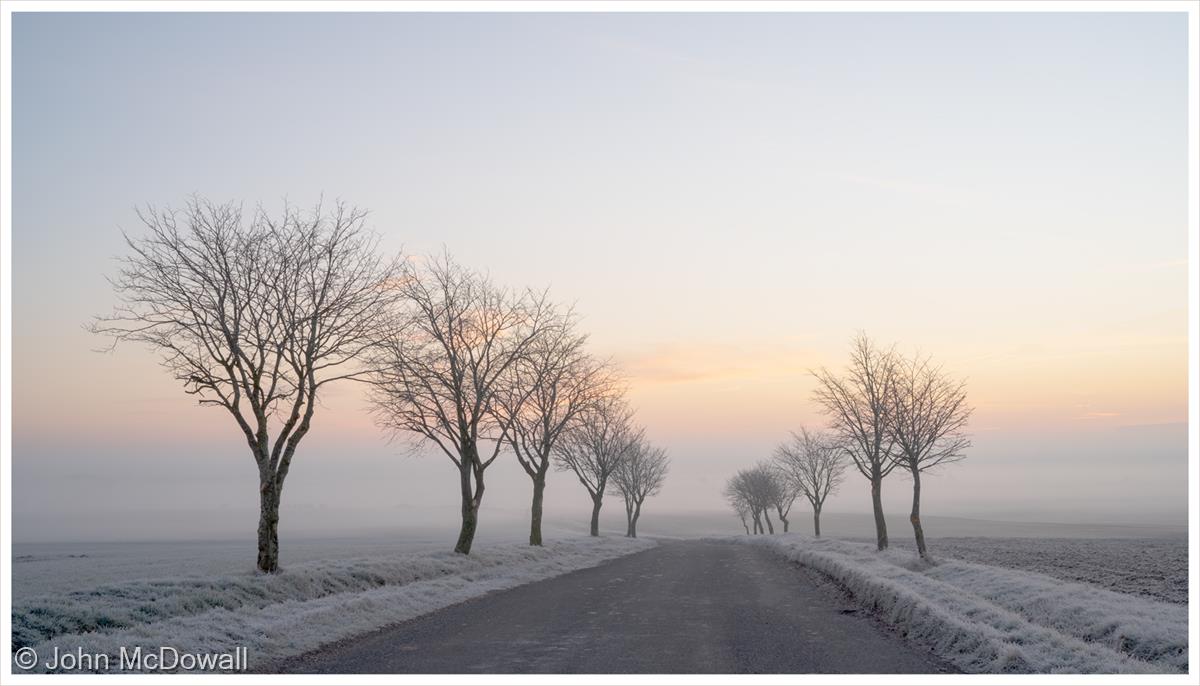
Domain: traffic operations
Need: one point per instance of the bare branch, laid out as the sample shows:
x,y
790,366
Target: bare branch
x,y
443,372
254,316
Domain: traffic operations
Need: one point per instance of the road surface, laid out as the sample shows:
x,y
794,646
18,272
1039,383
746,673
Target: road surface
x,y
682,607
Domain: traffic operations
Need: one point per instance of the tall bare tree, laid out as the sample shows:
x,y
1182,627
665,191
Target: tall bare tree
x,y
927,415
543,396
640,475
856,403
594,448
439,375
255,317
814,466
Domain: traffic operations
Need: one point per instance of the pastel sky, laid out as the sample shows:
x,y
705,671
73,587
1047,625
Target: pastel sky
x,y
726,199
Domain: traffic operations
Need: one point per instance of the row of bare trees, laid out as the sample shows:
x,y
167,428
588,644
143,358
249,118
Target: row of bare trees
x,y
608,453
889,411
812,465
808,465
753,493
885,411
256,314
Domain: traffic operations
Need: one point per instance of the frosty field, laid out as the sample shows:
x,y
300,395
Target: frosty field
x,y
1151,567
1001,617
204,598
991,604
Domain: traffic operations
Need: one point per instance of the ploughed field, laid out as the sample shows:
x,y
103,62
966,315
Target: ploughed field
x,y
1151,567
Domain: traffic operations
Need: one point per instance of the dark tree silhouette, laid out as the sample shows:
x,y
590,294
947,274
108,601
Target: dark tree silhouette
x,y
439,374
595,447
927,414
256,317
542,397
640,475
857,403
812,465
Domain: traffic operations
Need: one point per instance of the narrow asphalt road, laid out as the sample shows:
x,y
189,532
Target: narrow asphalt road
x,y
682,607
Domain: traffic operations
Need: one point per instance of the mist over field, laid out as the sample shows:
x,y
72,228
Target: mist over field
x,y
102,498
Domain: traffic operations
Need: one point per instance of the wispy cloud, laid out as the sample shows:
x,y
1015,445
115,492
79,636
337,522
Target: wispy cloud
x,y
1099,415
674,363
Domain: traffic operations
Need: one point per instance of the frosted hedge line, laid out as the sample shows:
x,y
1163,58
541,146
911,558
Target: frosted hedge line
x,y
301,608
993,619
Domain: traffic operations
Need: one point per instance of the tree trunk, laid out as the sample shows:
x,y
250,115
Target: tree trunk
x,y
471,498
915,517
745,526
268,524
770,526
597,501
637,512
783,518
817,522
758,527
535,511
881,538
629,519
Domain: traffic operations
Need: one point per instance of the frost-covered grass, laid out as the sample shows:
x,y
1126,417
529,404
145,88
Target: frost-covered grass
x,y
45,568
307,605
985,618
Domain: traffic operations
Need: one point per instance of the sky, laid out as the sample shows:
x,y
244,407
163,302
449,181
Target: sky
x,y
726,199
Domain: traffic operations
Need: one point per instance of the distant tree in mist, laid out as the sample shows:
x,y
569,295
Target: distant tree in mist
x,y
757,491
857,403
441,372
543,395
256,315
740,504
640,475
927,414
784,494
740,507
812,465
594,448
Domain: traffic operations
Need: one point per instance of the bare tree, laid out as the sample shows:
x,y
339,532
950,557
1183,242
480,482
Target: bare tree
x,y
813,465
783,495
594,448
438,376
757,490
753,486
927,415
640,475
736,497
756,507
767,491
857,405
543,395
255,317
742,510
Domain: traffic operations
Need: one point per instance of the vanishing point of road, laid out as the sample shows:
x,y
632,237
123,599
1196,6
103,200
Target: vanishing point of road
x,y
681,607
